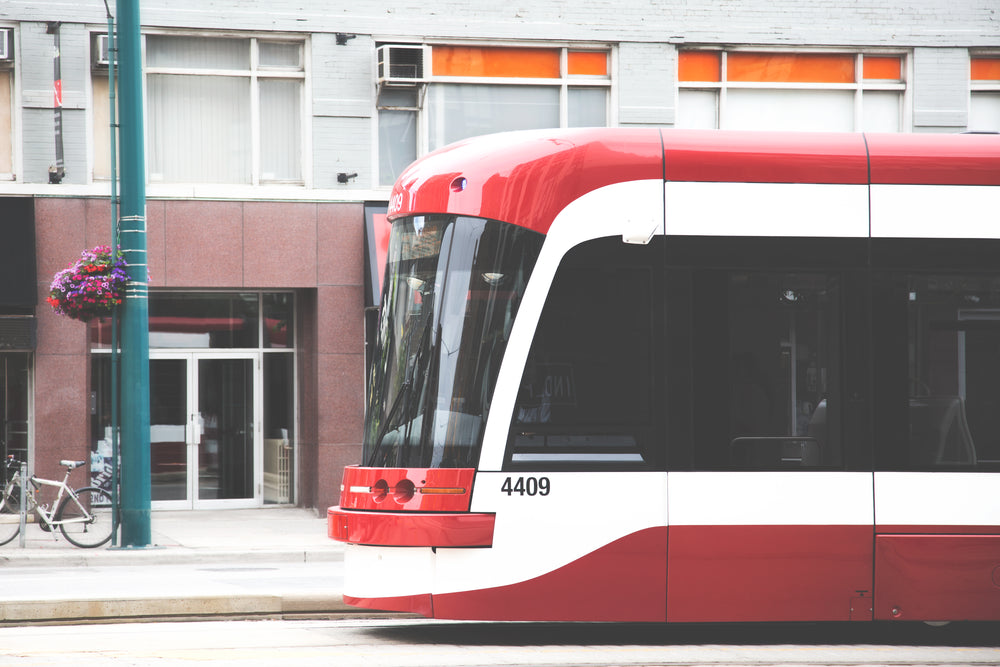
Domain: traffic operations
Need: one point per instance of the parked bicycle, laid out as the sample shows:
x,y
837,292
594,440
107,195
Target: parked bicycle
x,y
82,515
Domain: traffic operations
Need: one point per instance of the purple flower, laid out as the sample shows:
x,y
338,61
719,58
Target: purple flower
x,y
92,286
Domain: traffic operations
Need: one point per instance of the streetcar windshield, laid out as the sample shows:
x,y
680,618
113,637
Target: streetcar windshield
x,y
451,291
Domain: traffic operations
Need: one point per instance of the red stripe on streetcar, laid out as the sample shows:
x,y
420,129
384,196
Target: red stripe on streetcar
x,y
903,529
937,577
623,581
407,529
768,573
764,157
553,169
935,159
413,604
412,489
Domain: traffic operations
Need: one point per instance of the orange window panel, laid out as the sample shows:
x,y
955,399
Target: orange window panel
x,y
495,61
699,66
590,63
986,69
790,68
883,68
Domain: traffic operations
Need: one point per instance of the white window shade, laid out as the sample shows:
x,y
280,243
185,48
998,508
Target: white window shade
x,y
698,109
460,111
801,110
197,52
280,55
984,112
280,130
587,107
397,143
881,112
6,161
199,128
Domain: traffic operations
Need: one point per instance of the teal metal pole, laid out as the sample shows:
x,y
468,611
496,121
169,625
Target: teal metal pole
x,y
135,457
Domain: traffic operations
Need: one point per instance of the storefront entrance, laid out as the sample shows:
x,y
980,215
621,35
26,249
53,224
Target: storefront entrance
x,y
205,430
15,373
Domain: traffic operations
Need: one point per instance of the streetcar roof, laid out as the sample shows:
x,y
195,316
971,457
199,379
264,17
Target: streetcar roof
x,y
528,177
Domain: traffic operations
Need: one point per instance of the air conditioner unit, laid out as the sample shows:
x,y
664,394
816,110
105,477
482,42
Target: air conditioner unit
x,y
400,65
6,45
100,51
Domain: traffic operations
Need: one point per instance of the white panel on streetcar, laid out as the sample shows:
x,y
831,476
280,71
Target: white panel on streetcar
x,y
796,498
937,499
375,572
766,209
936,211
580,513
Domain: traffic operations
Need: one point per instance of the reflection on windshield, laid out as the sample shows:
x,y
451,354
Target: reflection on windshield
x,y
452,288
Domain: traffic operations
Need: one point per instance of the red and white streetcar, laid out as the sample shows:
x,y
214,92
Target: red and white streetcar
x,y
686,376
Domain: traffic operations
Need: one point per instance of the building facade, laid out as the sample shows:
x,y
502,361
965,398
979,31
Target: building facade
x,y
273,134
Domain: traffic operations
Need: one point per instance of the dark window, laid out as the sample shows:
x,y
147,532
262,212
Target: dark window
x,y
953,362
586,398
453,287
17,256
215,320
767,370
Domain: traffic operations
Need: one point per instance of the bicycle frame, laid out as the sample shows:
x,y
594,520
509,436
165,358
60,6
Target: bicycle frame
x,y
47,515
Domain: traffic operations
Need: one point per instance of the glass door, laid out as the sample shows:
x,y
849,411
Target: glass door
x,y
205,430
226,430
170,431
15,369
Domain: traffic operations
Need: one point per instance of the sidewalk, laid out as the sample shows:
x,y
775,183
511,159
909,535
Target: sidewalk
x,y
268,561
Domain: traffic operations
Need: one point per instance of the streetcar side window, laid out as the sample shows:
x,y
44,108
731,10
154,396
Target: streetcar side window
x,y
947,414
767,370
585,399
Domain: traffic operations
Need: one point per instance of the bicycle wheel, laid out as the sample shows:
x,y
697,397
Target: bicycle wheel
x,y
86,519
10,513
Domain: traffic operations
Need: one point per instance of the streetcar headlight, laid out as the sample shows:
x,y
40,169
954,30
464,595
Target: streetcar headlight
x,y
403,493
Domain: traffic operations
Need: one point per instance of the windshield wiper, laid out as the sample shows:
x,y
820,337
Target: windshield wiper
x,y
405,391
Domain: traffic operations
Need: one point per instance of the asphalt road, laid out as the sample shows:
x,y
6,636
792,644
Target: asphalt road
x,y
418,643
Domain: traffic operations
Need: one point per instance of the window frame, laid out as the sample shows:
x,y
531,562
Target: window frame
x,y
692,388
982,86
564,82
649,449
859,86
13,110
255,73
896,263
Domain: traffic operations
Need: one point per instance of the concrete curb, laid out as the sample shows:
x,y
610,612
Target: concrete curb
x,y
138,609
162,556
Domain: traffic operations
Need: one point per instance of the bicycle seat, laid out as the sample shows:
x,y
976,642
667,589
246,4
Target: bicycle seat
x,y
71,464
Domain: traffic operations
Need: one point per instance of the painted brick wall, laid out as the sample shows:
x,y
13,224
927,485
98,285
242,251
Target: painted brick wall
x,y
647,83
35,60
839,22
343,102
940,89
646,32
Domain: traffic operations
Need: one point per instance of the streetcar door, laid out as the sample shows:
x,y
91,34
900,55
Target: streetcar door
x,y
771,514
937,547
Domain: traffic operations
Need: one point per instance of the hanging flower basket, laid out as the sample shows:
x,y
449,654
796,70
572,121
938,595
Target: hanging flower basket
x,y
91,287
